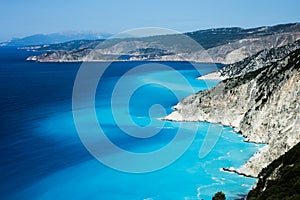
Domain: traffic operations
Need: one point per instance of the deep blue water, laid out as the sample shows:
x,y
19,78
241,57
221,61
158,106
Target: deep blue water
x,y
42,156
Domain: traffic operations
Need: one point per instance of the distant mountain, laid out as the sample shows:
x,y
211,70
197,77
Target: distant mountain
x,y
54,38
223,45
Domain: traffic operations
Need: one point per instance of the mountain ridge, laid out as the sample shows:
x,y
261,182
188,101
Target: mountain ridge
x,y
223,45
53,38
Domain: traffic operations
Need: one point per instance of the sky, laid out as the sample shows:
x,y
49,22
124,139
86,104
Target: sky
x,y
19,18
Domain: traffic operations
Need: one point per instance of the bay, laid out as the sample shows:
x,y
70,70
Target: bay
x,y
42,156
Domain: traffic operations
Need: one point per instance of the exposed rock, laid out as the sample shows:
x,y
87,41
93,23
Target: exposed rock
x,y
238,50
212,76
252,63
262,104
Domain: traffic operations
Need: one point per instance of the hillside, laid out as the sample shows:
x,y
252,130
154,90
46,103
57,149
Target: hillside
x,y
221,45
280,180
252,63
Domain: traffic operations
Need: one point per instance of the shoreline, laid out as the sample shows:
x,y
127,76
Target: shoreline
x,y
232,170
212,76
107,61
240,170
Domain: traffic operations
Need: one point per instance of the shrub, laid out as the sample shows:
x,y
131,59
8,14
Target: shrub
x,y
219,196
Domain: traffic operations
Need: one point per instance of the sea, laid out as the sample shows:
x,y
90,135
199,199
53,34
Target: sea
x,y
47,145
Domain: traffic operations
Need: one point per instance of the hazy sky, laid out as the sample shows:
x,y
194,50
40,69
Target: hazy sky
x,y
25,17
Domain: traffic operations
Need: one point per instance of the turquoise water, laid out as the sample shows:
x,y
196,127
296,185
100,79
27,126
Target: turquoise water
x,y
43,157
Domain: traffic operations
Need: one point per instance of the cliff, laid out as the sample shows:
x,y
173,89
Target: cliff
x,y
263,105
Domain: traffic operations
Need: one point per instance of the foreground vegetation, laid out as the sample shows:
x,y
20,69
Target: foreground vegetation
x,y
281,179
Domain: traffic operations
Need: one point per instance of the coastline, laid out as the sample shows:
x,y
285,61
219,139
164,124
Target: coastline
x,y
242,170
31,59
232,170
212,76
262,105
175,116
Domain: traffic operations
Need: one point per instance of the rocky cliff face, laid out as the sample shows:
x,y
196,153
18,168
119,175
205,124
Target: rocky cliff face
x,y
252,63
243,48
262,104
263,58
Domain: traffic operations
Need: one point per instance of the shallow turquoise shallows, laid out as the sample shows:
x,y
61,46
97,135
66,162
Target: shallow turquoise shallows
x,y
57,166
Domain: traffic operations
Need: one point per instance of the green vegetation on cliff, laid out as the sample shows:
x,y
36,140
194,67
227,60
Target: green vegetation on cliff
x,y
281,179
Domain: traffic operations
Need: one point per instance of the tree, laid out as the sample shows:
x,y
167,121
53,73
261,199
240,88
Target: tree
x,y
219,196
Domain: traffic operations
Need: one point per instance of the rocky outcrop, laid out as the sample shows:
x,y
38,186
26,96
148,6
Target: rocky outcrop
x,y
263,105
